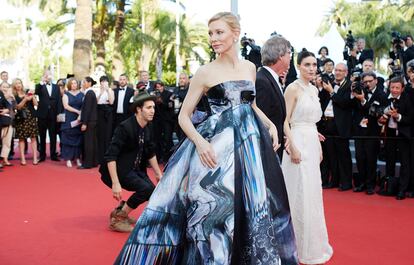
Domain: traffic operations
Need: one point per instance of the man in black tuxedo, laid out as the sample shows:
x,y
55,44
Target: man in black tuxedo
x,y
163,121
50,101
398,121
145,78
269,94
409,90
357,56
337,124
123,96
89,119
368,66
179,94
368,107
126,161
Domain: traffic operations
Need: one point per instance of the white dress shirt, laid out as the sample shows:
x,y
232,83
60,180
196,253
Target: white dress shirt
x,y
49,89
329,112
275,76
121,97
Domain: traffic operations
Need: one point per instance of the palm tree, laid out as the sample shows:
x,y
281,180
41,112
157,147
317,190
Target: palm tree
x,y
82,46
117,61
375,26
102,26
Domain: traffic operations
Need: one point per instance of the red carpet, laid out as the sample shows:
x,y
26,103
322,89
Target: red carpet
x,y
55,215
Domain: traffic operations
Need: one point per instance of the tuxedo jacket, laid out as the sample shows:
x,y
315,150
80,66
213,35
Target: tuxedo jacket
x,y
151,86
165,109
124,148
48,104
89,111
362,111
342,108
270,100
406,111
129,93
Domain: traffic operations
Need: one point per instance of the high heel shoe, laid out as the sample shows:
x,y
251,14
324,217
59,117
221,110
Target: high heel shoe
x,y
35,162
78,162
69,163
23,162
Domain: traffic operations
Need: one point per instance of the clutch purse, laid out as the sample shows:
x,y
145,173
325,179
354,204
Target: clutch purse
x,y
61,117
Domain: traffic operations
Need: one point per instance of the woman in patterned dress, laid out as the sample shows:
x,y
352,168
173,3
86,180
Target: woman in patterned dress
x,y
26,121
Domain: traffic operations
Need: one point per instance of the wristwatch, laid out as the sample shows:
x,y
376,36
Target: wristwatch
x,y
332,93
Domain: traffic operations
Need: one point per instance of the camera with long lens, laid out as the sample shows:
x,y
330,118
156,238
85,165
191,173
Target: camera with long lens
x,y
157,95
397,40
376,110
253,55
394,105
326,78
397,55
244,42
349,40
357,86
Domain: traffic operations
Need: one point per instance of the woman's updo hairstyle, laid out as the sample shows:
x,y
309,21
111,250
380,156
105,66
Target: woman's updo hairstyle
x,y
229,18
304,54
90,80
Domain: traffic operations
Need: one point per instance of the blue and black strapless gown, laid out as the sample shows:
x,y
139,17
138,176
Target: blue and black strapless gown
x,y
237,213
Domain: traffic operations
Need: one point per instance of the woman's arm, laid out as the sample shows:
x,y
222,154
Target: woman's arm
x,y
195,92
154,164
291,96
21,104
67,107
34,101
111,96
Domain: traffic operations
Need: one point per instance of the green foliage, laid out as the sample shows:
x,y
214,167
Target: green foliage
x,y
372,20
169,78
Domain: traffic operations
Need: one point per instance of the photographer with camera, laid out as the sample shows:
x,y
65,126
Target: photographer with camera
x,y
368,66
369,104
397,119
355,55
336,125
408,54
396,54
250,51
328,67
409,90
163,120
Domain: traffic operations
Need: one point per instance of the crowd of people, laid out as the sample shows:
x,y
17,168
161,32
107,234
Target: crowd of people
x,y
376,112
258,151
83,115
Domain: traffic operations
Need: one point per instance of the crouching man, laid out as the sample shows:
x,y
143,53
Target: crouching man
x,y
125,165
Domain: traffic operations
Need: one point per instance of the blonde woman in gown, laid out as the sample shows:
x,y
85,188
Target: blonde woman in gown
x,y
301,165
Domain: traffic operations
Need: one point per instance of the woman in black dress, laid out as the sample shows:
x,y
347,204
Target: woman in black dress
x,y
105,98
26,121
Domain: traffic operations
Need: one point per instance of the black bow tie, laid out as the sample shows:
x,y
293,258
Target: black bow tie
x,y
370,92
121,88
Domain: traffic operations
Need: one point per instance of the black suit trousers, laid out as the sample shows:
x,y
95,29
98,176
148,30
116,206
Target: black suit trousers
x,y
339,156
411,184
104,130
393,147
135,181
48,124
324,166
366,154
90,146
